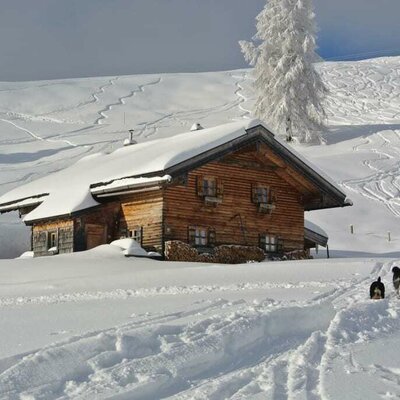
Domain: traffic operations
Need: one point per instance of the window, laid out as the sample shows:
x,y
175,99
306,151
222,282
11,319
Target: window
x,y
136,234
52,240
271,244
262,194
209,187
264,197
200,236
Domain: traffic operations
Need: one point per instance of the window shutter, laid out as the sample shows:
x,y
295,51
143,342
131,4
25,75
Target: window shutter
x,y
192,235
280,246
212,237
272,196
200,185
254,195
262,241
220,188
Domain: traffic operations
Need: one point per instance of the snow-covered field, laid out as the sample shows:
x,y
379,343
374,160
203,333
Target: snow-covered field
x,y
99,325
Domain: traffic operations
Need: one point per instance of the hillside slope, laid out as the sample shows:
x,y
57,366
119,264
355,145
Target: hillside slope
x,y
47,125
98,325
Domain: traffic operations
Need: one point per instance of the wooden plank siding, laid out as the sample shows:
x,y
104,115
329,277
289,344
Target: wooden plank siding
x,y
65,237
168,213
236,220
97,227
144,210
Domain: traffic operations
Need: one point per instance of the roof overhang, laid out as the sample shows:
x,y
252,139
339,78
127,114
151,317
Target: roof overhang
x,y
23,203
330,195
128,185
315,237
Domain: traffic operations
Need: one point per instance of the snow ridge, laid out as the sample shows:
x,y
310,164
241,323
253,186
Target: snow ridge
x,y
221,350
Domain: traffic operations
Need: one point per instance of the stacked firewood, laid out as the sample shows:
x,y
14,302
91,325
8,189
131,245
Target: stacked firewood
x,y
238,254
179,251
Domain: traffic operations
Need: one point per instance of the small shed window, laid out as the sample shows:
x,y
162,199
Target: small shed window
x,y
52,241
271,243
136,234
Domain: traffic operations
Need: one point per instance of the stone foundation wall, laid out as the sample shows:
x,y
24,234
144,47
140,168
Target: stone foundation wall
x,y
180,251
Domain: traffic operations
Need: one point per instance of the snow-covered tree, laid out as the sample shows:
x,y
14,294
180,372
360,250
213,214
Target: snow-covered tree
x,y
289,90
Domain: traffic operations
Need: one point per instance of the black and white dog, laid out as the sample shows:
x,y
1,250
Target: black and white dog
x,y
396,279
377,290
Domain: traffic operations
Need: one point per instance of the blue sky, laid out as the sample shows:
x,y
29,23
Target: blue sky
x,y
47,39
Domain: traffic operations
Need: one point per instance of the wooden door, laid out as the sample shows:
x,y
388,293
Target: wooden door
x,y
95,235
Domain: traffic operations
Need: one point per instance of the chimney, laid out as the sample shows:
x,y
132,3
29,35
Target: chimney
x,y
130,140
196,127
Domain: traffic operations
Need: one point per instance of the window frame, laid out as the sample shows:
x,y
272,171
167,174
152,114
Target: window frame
x,y
201,236
264,197
210,188
52,239
138,237
262,194
271,244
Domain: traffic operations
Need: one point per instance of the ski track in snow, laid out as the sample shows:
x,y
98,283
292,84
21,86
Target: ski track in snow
x,y
225,349
37,137
159,291
246,114
122,100
95,98
186,118
369,93
384,184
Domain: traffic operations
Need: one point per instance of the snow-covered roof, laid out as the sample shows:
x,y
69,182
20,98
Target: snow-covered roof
x,y
31,201
72,189
315,228
69,189
315,234
128,184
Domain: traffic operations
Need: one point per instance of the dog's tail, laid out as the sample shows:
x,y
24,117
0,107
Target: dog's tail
x,y
379,279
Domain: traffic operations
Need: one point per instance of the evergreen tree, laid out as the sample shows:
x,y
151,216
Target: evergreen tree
x,y
289,90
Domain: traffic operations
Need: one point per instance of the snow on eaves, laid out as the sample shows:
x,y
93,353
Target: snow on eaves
x,y
129,183
315,228
69,189
63,202
31,201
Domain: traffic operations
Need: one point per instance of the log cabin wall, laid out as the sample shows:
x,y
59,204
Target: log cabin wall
x,y
236,220
42,239
143,213
96,227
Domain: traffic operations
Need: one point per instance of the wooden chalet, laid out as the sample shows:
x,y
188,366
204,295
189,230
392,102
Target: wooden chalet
x,y
235,184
